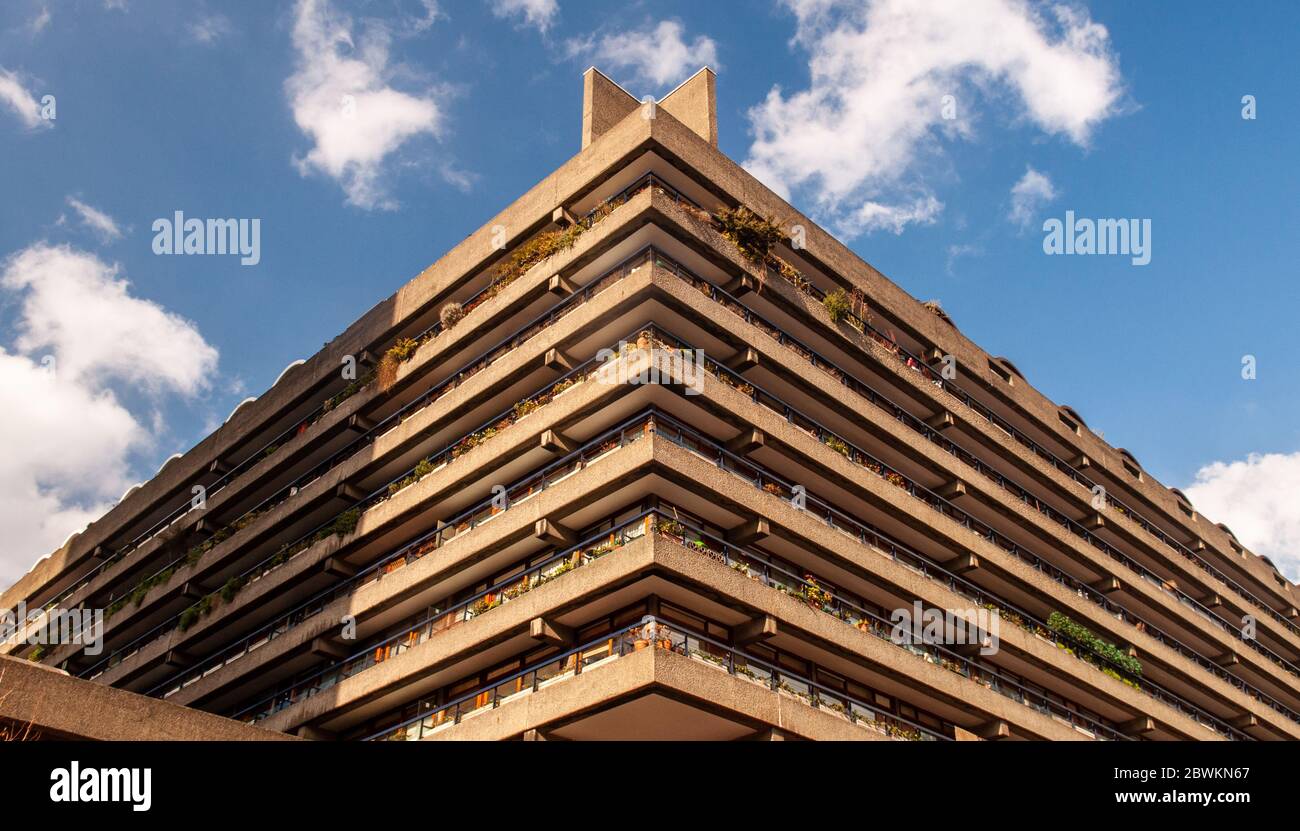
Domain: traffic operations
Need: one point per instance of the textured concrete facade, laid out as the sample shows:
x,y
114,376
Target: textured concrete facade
x,y
530,524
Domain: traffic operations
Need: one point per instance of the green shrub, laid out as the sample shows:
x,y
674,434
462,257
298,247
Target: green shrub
x,y
837,305
751,233
188,618
231,588
346,522
1108,651
538,248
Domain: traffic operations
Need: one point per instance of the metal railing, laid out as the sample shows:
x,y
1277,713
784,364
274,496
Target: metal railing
x,y
634,262
652,633
915,363
444,617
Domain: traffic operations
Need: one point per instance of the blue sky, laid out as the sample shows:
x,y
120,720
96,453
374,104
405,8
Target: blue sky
x,y
214,109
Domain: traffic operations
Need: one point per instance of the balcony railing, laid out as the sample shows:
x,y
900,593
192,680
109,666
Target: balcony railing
x,y
638,260
438,391
652,633
597,546
915,363
493,353
442,618
468,520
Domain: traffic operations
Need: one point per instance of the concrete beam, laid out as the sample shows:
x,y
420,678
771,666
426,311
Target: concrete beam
x,y
349,492
993,731
557,360
941,421
561,216
553,441
757,628
748,532
559,286
1080,462
740,286
1138,726
1108,585
548,631
327,648
358,423
1244,722
746,359
1094,522
952,490
962,563
747,442
971,650
1227,659
553,533
336,567
178,658
206,528
317,734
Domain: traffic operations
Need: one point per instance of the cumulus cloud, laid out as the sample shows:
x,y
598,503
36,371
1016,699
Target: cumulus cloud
x,y
1259,499
80,336
341,97
95,219
15,97
1028,195
537,13
657,55
880,71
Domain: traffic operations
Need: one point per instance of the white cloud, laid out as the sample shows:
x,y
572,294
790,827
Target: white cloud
x,y
340,97
879,73
38,23
68,438
656,55
98,221
78,308
956,252
1028,195
1259,499
210,28
538,13
873,216
23,104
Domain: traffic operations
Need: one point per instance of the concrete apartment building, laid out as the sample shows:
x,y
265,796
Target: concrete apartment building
x,y
630,463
